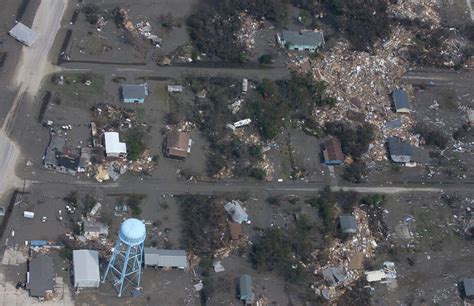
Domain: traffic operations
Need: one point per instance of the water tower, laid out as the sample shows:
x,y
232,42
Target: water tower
x,y
126,260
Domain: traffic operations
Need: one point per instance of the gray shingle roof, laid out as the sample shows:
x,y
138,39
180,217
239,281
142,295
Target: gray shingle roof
x,y
400,99
133,91
165,258
245,287
468,284
303,38
399,151
41,275
23,34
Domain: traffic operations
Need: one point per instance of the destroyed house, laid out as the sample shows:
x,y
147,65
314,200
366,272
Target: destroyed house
x,y
236,212
178,144
468,288
348,224
40,279
165,258
400,101
93,229
113,146
400,152
86,268
55,147
134,93
23,34
332,152
67,164
304,40
245,289
334,275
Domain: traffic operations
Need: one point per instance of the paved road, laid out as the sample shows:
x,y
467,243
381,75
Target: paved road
x,y
439,77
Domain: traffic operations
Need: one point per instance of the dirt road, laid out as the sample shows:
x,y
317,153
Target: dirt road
x,y
33,66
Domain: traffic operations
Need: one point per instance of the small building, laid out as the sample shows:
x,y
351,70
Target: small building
x,y
113,146
40,277
165,258
175,88
23,34
85,159
235,231
348,224
304,40
468,288
332,152
470,117
134,93
94,229
86,268
400,101
178,144
236,212
400,152
246,289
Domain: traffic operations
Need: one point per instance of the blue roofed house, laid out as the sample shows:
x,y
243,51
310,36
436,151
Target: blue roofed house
x,y
245,289
134,93
304,40
400,101
236,212
400,152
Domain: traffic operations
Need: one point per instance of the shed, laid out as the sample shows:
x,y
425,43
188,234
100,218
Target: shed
x,y
23,34
94,229
348,224
470,117
400,101
400,152
303,40
236,212
175,88
113,146
86,268
134,93
246,289
375,276
40,280
178,144
332,152
165,258
468,287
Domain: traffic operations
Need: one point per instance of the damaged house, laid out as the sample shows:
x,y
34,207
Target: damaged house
x,y
236,212
400,152
178,144
134,93
332,152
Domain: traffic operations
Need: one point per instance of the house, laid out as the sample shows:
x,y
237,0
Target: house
x,y
175,88
400,101
235,231
40,277
85,159
66,164
468,287
113,146
134,93
23,34
348,224
470,117
56,145
86,268
236,212
165,258
246,289
178,144
400,152
304,40
332,152
94,229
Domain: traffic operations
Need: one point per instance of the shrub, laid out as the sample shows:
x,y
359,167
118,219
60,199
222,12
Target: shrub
x,y
355,172
431,135
355,140
265,59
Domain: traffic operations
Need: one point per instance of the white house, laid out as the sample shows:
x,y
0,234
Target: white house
x,y
113,146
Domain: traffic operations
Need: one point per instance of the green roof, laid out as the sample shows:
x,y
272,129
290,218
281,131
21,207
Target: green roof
x,y
302,38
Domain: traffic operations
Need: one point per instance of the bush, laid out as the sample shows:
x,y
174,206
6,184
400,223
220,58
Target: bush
x,y
133,202
135,143
355,140
355,172
431,135
325,205
265,59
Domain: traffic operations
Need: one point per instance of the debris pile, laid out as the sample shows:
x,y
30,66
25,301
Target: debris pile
x,y
423,10
248,29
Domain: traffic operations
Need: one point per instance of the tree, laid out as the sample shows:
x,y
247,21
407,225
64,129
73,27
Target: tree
x,y
355,172
265,59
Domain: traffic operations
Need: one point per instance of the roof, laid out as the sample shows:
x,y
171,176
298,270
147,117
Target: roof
x,y
468,284
235,230
113,144
420,155
236,212
398,148
172,88
41,275
348,224
67,162
245,287
165,258
23,34
132,231
375,276
134,91
333,150
92,226
400,99
334,275
86,265
303,37
177,144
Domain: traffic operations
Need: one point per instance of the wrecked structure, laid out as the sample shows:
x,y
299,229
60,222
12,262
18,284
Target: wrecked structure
x,y
236,212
